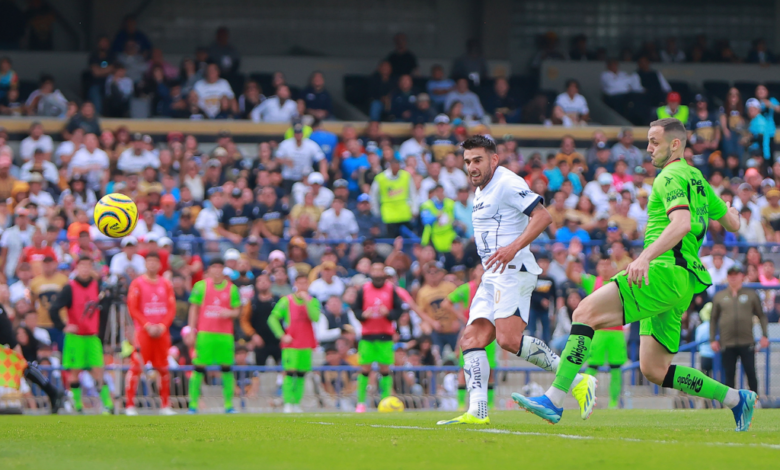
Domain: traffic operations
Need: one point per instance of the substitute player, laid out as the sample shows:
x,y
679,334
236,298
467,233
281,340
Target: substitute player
x,y
298,311
609,344
657,287
215,303
152,306
377,306
459,301
82,349
507,217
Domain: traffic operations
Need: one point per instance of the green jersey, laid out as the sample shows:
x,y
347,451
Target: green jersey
x,y
681,186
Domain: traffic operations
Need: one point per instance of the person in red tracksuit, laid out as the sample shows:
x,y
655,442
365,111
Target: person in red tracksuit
x,y
152,305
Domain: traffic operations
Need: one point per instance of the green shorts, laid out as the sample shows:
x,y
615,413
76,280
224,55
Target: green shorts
x,y
82,352
660,305
214,349
380,352
608,347
294,359
490,350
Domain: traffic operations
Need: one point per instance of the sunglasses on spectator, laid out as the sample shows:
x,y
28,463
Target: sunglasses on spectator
x,y
612,229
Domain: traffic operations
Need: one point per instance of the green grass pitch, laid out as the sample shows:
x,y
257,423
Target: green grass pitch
x,y
631,439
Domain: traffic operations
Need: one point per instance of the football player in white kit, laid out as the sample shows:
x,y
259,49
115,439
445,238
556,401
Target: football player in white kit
x,y
507,217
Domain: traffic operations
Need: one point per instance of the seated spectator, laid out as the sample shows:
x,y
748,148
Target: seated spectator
x,y
86,119
548,44
402,60
10,104
250,99
761,140
210,91
132,59
40,163
652,81
338,222
620,176
46,100
673,108
129,32
579,49
573,103
597,191
625,149
317,99
224,54
733,126
472,64
501,105
535,111
136,158
627,225
423,111
156,88
703,132
671,53
37,140
188,75
119,90
472,108
571,229
568,152
439,87
759,54
8,78
379,89
278,108
623,92
403,99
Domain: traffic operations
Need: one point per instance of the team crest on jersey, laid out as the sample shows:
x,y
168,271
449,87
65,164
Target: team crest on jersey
x,y
668,180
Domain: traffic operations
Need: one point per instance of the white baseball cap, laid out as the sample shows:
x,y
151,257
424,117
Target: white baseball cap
x,y
131,240
165,241
277,254
151,237
753,103
232,254
605,178
316,178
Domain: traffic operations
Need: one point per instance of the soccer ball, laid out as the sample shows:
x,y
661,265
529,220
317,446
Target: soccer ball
x,y
116,215
390,405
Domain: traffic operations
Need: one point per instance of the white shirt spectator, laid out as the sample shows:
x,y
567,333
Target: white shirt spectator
x,y
632,155
129,162
42,199
28,146
630,188
620,83
17,291
571,201
576,105
755,211
84,159
303,157
323,199
141,230
196,186
338,227
271,110
412,148
677,57
452,182
65,148
42,335
210,95
14,240
120,263
323,291
718,276
706,261
599,198
751,230
208,221
53,104
471,105
50,171
640,215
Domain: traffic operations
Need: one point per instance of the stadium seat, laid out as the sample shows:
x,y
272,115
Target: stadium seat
x,y
237,83
522,87
420,84
716,89
683,88
774,88
356,90
746,88
265,80
26,87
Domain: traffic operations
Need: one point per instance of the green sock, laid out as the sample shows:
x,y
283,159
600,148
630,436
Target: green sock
x,y
362,385
461,396
228,388
386,385
76,390
196,379
491,395
592,370
615,386
300,388
574,355
694,382
105,397
288,389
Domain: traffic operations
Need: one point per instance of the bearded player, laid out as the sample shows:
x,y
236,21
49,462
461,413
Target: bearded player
x,y
152,305
657,287
507,217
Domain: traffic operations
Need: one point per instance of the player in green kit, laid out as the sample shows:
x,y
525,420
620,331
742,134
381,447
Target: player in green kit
x,y
298,312
609,345
657,287
460,300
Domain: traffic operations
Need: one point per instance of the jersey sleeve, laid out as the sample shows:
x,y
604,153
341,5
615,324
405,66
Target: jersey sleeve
x,y
716,207
672,190
235,296
518,195
588,283
460,295
198,293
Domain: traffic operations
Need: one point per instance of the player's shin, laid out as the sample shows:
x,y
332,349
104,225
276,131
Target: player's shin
x,y
461,396
574,355
300,387
165,387
196,380
615,385
539,354
105,397
75,388
32,374
477,370
228,386
362,386
695,382
132,380
386,385
288,388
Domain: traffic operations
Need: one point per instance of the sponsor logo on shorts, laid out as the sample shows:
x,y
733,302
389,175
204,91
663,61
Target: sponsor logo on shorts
x,y
694,384
578,355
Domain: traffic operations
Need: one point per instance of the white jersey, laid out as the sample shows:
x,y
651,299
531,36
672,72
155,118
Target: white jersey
x,y
501,214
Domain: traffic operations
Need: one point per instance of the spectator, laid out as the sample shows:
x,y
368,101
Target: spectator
x,y
451,177
13,241
317,99
735,323
46,100
133,61
353,164
210,91
627,225
328,285
759,54
8,78
673,108
472,64
393,197
442,142
380,88
770,216
85,119
429,298
403,99
472,108
439,87
40,164
571,229
625,149
547,50
238,218
304,216
271,214
298,156
638,210
170,72
130,32
652,81
278,108
703,132
322,197
417,147
369,225
136,158
732,123
156,88
568,152
573,103
579,49
423,111
119,89
402,60
671,53
208,218
10,105
250,99
168,218
501,105
224,54
36,140
618,85
189,74
90,162
759,128
338,222
597,192
128,262
619,176
438,218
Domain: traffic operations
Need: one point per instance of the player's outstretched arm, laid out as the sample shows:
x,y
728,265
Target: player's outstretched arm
x,y
679,226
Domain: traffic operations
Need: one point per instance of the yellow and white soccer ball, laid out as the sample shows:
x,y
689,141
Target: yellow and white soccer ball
x,y
116,215
390,405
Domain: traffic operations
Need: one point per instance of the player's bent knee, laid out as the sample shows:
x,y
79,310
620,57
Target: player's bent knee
x,y
509,342
655,373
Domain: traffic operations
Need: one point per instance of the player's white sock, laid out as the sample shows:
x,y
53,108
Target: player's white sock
x,y
732,398
477,371
539,354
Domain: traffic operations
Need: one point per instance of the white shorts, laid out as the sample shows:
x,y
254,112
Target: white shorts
x,y
503,295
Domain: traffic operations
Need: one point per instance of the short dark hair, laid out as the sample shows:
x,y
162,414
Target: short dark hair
x,y
152,255
216,261
84,258
570,81
672,125
479,141
301,276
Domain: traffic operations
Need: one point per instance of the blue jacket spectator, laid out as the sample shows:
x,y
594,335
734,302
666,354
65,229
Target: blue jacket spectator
x,y
570,230
350,169
761,131
326,140
169,218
